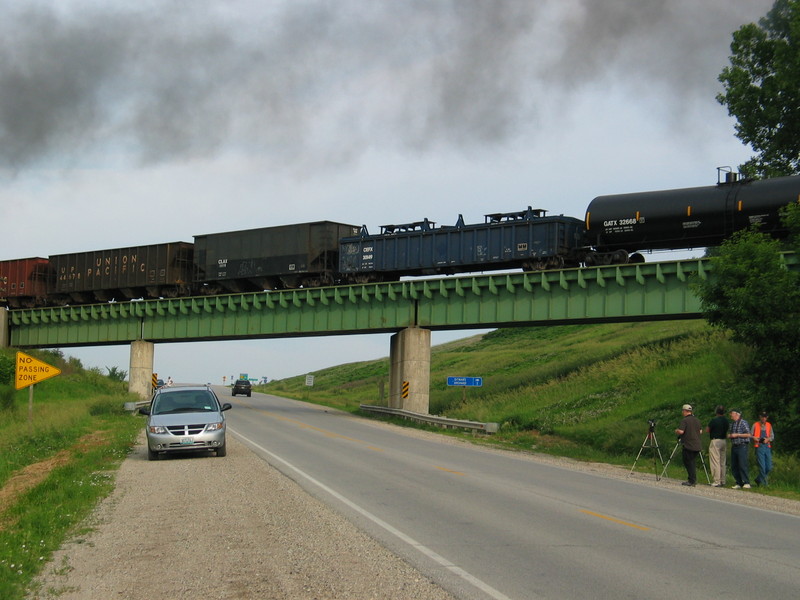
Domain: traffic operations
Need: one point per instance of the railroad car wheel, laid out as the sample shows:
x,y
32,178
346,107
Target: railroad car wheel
x,y
540,265
620,257
556,262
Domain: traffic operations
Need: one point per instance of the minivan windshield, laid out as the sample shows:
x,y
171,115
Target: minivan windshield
x,y
184,401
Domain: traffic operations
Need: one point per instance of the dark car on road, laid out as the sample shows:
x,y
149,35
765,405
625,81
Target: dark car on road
x,y
181,419
243,387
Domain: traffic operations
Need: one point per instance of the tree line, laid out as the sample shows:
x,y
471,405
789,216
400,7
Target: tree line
x,y
752,294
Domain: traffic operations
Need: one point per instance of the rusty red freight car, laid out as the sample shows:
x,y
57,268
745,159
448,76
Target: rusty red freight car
x,y
160,270
23,282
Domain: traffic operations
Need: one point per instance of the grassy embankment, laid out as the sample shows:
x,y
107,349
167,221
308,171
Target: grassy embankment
x,y
57,466
585,392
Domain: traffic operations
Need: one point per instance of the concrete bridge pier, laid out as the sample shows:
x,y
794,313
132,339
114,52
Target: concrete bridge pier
x,y
4,339
141,370
410,370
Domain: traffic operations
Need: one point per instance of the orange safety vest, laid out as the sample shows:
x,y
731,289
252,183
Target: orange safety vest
x,y
757,433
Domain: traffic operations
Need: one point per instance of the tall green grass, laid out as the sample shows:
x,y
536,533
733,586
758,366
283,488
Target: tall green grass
x,y
79,418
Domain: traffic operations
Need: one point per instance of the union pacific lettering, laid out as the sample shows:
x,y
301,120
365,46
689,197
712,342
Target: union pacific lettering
x,y
106,265
117,264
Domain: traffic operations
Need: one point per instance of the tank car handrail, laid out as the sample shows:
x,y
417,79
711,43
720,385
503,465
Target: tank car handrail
x,y
731,177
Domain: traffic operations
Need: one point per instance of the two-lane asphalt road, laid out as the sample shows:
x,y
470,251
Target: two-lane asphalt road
x,y
488,524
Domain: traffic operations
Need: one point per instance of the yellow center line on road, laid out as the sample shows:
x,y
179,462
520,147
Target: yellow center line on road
x,y
613,520
451,471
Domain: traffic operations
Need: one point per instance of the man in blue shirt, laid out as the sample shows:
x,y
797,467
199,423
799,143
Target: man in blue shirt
x,y
740,441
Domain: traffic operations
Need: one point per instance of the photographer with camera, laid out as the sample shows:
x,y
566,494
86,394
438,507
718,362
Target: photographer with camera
x,y
762,441
689,432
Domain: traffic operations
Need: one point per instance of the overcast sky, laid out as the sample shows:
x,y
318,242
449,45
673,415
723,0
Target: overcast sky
x,y
124,124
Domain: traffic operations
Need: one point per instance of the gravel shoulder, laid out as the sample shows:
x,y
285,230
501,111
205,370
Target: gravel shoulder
x,y
236,528
222,528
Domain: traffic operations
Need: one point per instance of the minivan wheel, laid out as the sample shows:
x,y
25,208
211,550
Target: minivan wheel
x,y
222,450
152,455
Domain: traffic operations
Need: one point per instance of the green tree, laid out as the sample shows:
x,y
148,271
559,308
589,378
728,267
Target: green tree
x,y
754,296
761,90
116,374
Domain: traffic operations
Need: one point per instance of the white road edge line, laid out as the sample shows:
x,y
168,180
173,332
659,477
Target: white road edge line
x,y
438,558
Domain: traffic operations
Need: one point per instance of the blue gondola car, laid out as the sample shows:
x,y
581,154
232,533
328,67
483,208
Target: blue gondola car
x,y
528,239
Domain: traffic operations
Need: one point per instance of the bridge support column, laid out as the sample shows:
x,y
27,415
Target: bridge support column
x,y
4,341
141,371
410,377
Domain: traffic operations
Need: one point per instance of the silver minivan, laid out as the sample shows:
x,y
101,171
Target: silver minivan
x,y
185,418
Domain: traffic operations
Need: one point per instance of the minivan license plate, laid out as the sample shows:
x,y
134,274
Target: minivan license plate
x,y
187,441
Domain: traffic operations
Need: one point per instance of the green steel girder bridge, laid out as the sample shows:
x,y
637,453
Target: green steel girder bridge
x,y
596,294
633,292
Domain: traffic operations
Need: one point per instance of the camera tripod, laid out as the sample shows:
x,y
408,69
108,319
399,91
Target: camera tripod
x,y
650,441
702,460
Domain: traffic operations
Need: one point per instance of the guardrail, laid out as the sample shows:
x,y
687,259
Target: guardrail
x,y
135,406
432,419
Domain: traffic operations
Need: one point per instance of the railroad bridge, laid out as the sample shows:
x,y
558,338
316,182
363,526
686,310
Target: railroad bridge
x,y
410,309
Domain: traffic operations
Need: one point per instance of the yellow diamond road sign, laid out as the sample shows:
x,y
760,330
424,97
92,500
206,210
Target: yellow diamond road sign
x,y
31,370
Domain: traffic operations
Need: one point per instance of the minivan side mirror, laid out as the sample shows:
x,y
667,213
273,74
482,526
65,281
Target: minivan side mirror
x,y
227,406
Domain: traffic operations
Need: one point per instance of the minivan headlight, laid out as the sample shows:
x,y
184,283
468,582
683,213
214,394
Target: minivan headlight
x,y
215,426
158,429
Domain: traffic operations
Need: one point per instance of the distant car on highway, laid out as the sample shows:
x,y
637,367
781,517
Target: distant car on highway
x,y
243,387
181,419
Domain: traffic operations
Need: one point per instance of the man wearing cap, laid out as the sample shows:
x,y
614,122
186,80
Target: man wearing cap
x,y
762,442
739,435
689,432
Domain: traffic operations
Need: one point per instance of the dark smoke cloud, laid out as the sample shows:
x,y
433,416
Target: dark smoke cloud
x,y
163,81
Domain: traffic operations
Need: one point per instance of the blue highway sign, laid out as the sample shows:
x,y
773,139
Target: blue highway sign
x,y
465,381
